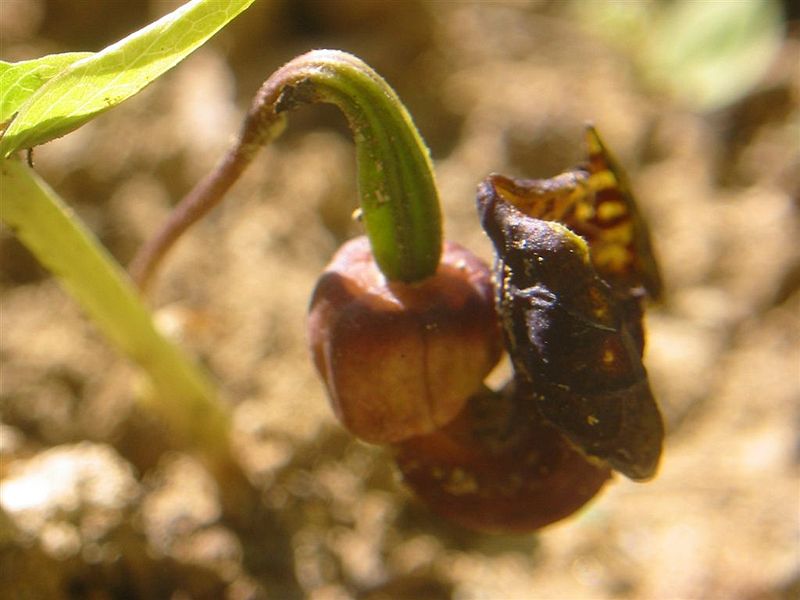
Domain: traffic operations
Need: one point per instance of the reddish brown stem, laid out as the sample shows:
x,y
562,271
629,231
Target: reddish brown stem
x,y
260,126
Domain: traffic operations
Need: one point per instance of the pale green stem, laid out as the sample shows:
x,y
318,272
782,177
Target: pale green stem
x,y
181,392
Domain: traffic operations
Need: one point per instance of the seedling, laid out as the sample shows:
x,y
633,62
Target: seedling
x,y
404,326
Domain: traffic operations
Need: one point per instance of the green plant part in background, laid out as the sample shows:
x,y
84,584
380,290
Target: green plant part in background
x,y
705,54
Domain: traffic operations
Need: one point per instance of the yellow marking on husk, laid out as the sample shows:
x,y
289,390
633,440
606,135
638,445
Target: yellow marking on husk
x,y
603,180
611,210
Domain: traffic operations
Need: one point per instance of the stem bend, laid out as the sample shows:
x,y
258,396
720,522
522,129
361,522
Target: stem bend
x,y
397,190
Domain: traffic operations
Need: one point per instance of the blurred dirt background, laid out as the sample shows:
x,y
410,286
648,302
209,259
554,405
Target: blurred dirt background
x,y
98,501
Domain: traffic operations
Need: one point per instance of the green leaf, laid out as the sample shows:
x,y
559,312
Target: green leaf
x,y
19,81
95,84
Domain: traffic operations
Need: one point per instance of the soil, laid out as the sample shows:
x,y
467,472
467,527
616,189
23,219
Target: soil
x,y
99,501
